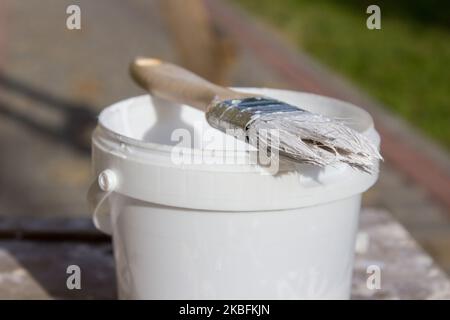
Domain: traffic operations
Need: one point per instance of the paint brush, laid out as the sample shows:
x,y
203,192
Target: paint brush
x,y
302,136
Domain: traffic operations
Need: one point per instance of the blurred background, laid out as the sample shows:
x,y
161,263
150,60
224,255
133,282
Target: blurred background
x,y
54,81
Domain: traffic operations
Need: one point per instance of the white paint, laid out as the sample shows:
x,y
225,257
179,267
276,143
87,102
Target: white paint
x,y
362,242
15,276
224,231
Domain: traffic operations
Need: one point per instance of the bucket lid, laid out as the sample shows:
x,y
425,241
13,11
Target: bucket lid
x,y
167,154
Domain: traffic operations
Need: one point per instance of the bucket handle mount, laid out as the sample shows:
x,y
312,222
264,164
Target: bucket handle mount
x,y
97,196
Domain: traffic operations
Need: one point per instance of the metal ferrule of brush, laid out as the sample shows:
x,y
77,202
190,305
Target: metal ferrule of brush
x,y
239,114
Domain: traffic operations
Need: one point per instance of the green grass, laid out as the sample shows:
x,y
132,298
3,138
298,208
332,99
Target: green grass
x,y
405,65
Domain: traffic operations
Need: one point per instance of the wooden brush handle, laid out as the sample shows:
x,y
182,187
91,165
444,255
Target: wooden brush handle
x,y
176,84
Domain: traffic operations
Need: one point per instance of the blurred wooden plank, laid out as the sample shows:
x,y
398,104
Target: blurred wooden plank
x,y
37,270
201,46
407,272
51,229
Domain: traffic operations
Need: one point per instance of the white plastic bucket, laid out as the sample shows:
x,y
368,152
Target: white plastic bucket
x,y
213,230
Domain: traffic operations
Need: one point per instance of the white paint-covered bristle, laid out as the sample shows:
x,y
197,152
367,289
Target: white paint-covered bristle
x,y
300,135
314,139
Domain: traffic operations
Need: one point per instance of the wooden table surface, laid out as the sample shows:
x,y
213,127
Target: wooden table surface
x,y
34,267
